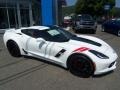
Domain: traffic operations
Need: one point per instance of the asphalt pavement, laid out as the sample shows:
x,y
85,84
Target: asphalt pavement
x,y
33,74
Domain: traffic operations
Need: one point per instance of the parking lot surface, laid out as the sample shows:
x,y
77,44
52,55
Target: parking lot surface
x,y
33,74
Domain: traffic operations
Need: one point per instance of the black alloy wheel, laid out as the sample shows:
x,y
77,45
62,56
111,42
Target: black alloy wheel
x,y
81,66
13,49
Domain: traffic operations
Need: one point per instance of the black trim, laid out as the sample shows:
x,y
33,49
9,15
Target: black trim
x,y
86,41
60,53
25,51
19,33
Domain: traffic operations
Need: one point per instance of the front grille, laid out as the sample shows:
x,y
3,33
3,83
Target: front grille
x,y
88,24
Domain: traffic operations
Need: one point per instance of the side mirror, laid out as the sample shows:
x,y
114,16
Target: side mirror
x,y
40,40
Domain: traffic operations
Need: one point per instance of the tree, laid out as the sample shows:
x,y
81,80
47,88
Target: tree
x,y
93,7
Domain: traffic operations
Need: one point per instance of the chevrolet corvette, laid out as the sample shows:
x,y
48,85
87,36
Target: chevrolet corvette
x,y
82,55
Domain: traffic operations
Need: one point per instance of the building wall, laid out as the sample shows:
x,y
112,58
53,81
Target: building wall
x,y
16,13
23,13
47,12
51,12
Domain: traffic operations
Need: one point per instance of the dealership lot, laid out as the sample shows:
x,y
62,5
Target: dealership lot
x,y
33,74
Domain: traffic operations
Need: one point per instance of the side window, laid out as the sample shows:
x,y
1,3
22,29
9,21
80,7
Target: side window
x,y
28,32
36,33
41,34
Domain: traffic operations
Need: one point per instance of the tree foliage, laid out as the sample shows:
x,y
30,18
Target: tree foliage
x,y
93,7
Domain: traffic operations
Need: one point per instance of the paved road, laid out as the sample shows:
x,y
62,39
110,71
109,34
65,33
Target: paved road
x,y
32,74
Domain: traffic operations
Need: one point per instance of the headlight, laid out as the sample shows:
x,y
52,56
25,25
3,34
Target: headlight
x,y
98,54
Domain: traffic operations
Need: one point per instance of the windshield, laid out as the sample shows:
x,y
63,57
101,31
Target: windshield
x,y
85,17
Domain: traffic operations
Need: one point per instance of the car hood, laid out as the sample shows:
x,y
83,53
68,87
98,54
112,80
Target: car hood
x,y
90,42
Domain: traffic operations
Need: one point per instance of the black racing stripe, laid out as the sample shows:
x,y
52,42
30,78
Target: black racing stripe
x,y
86,41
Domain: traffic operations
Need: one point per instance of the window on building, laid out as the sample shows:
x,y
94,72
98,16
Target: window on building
x,y
3,18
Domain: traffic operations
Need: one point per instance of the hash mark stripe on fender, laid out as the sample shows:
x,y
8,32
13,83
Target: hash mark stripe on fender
x,y
60,53
82,49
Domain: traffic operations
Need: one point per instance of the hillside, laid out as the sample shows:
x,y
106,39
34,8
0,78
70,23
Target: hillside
x,y
67,10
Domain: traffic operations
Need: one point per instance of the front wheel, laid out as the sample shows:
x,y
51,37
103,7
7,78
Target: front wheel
x,y
81,66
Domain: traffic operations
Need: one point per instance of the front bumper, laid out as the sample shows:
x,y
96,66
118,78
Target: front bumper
x,y
105,70
106,66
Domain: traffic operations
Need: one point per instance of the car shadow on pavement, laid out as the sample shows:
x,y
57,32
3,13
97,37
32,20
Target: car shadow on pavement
x,y
50,63
44,61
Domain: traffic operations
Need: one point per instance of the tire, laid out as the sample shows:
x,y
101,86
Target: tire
x,y
81,65
118,33
13,49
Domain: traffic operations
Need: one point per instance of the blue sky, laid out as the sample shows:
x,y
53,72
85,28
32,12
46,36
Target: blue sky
x,y
71,2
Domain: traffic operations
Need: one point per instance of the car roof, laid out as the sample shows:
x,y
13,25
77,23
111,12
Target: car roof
x,y
36,27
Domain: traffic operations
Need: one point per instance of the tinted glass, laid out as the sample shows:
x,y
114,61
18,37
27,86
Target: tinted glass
x,y
28,32
54,34
85,17
51,35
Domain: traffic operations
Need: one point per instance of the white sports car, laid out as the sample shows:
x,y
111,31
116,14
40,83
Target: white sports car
x,y
82,55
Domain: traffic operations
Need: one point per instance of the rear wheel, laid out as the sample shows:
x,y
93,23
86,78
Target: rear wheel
x,y
13,49
81,66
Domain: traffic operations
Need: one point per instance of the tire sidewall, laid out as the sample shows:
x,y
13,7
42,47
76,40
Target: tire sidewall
x,y
78,73
11,45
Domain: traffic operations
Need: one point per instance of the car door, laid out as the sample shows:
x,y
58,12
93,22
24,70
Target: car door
x,y
25,37
37,47
48,50
32,45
